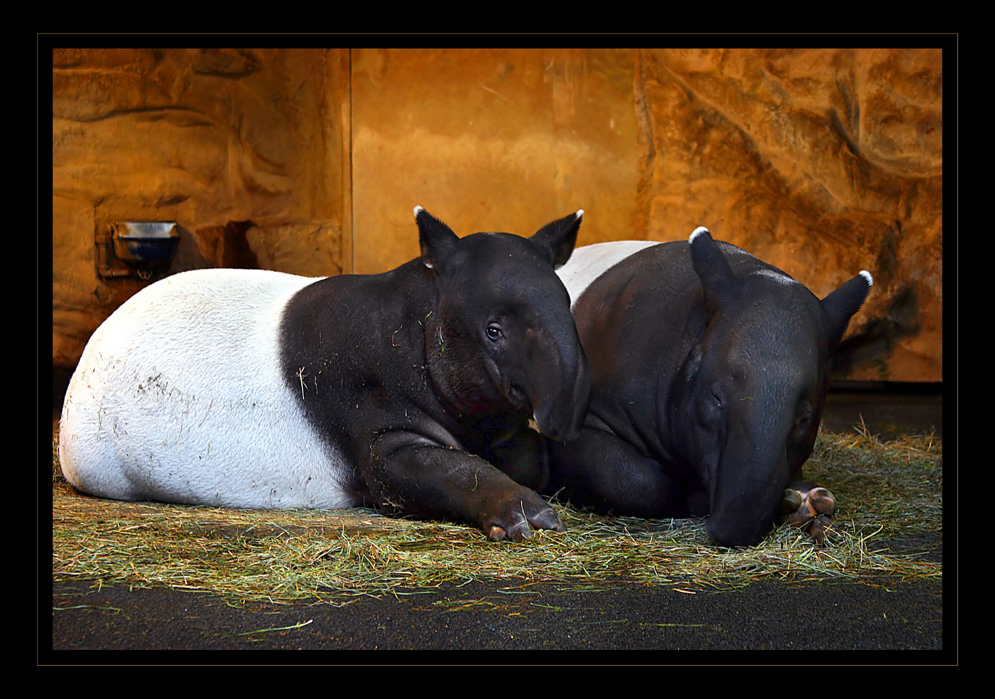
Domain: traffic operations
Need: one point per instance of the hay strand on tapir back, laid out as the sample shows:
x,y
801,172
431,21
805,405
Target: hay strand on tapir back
x,y
888,526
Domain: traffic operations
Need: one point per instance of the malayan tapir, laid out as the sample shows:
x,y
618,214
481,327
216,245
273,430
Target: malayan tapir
x,y
708,376
410,390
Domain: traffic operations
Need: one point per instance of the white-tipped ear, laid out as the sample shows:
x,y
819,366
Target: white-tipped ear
x,y
712,268
558,238
844,302
436,238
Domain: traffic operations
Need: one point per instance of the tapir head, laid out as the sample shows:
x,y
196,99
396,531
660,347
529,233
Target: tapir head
x,y
753,388
503,339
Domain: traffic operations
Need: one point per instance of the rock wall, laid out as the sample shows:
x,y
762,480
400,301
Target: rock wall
x,y
243,148
822,162
819,162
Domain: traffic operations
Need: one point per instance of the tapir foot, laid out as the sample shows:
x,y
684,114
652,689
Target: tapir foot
x,y
810,508
517,517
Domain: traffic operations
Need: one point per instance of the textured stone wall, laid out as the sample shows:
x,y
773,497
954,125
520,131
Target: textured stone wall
x,y
243,148
822,162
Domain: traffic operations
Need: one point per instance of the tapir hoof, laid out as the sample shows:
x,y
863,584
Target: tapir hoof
x,y
519,517
810,508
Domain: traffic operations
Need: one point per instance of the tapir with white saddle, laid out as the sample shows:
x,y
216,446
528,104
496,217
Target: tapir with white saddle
x,y
411,390
708,377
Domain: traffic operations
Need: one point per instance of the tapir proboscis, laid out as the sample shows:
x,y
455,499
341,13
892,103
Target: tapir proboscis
x,y
411,390
708,377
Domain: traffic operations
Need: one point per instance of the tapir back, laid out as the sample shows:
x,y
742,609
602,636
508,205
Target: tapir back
x,y
179,397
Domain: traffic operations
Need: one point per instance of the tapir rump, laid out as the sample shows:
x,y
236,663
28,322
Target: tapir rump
x,y
410,390
708,370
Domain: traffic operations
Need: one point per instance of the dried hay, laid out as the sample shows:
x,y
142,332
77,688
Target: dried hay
x,y
888,526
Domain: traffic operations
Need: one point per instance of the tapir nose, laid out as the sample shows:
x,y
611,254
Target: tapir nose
x,y
747,493
734,532
561,388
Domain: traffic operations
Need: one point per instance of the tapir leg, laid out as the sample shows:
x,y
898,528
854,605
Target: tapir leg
x,y
602,473
427,480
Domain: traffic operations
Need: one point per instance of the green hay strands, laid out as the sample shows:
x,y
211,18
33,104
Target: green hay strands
x,y
888,526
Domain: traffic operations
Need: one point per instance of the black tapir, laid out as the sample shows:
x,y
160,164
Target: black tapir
x,y
410,390
708,372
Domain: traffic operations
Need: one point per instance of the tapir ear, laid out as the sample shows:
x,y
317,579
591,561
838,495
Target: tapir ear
x,y
841,304
557,238
711,267
437,239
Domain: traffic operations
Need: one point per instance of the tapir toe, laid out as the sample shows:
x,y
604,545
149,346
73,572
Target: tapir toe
x,y
809,508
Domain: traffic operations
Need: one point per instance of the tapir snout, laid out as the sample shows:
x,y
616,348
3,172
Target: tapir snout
x,y
558,372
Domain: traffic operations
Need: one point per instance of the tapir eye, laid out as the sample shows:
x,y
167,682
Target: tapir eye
x,y
804,420
494,332
717,398
710,408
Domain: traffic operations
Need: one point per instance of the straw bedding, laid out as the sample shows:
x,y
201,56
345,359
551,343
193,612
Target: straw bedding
x,y
889,526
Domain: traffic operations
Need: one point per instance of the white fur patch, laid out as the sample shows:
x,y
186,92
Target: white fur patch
x,y
591,261
867,275
179,397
